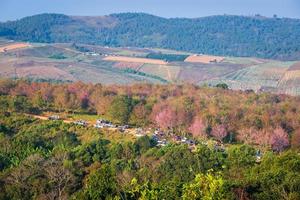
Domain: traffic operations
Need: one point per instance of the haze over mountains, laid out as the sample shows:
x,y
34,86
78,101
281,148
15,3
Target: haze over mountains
x,y
276,38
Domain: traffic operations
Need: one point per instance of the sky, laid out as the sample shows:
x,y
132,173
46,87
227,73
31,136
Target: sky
x,y
16,9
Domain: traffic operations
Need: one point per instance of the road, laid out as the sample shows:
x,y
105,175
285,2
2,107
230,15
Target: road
x,y
46,118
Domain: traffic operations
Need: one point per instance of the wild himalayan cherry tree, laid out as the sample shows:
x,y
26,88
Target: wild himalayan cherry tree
x,y
84,99
198,128
279,140
166,118
219,132
253,136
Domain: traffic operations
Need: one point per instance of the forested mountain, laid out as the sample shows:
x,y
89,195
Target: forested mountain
x,y
246,145
257,36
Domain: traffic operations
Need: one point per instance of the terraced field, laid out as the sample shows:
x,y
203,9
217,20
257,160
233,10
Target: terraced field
x,y
198,73
271,76
135,60
130,65
63,62
96,64
290,82
168,72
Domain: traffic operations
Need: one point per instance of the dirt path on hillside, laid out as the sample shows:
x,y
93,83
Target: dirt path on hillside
x,y
46,118
169,73
68,121
13,47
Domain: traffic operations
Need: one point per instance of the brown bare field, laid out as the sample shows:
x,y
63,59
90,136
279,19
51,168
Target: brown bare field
x,y
43,72
295,66
126,65
204,59
273,72
134,60
291,75
13,46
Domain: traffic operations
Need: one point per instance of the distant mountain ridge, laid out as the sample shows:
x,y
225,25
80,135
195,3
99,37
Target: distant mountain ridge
x,y
276,38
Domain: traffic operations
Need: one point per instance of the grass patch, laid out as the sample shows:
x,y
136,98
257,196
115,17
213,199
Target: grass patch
x,y
87,117
59,56
132,71
167,57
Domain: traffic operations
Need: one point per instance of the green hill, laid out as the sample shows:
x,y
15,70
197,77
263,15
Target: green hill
x,y
276,38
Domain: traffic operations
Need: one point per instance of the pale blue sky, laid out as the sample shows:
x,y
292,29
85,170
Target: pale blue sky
x,y
15,9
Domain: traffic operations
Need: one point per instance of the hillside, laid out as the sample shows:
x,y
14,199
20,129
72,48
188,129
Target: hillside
x,y
65,62
276,38
190,143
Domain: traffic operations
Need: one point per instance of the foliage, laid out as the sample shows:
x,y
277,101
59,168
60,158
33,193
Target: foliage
x,y
58,56
166,119
279,140
100,184
219,35
206,187
219,132
43,159
276,177
121,108
222,86
132,71
167,57
198,128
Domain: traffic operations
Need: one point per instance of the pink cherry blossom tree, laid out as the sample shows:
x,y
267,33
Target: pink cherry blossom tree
x,y
198,128
219,132
166,118
279,140
84,99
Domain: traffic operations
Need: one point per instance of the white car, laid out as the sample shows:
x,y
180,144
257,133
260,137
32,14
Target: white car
x,y
81,122
98,126
54,117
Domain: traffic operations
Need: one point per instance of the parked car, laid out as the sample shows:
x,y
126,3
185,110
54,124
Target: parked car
x,y
81,122
162,142
98,126
123,128
54,117
101,123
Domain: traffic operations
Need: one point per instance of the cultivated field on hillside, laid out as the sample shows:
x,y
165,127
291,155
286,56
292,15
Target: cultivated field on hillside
x,y
43,72
244,61
295,66
125,65
168,72
14,46
47,51
134,60
128,65
204,59
195,73
273,76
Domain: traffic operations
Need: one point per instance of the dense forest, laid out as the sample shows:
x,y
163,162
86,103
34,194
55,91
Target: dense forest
x,y
55,160
256,36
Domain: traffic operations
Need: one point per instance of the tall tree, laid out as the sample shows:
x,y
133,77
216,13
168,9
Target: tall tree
x,y
279,140
205,186
121,108
219,132
198,128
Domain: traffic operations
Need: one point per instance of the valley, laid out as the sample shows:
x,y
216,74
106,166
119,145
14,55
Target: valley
x,y
167,100
63,62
